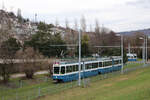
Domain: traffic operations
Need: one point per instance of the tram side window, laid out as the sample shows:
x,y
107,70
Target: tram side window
x,y
117,61
108,63
120,61
74,68
63,70
81,66
69,69
88,66
94,65
100,64
56,70
77,67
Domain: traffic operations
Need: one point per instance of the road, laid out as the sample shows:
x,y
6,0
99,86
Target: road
x,y
23,75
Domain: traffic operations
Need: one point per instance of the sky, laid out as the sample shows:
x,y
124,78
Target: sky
x,y
117,15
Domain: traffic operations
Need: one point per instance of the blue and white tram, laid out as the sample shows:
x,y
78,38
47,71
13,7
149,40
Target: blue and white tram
x,y
132,57
66,72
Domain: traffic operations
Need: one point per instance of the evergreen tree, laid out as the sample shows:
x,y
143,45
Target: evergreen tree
x,y
45,41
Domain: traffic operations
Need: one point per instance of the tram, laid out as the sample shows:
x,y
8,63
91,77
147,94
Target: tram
x,y
69,71
132,57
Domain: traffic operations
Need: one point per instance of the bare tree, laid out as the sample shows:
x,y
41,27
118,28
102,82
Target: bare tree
x,y
67,23
6,59
83,24
31,61
6,54
91,29
71,37
20,19
19,13
75,25
56,22
97,27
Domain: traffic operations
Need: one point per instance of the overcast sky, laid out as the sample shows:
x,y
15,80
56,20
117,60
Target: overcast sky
x,y
118,15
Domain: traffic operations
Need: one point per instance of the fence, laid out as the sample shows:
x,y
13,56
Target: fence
x,y
35,92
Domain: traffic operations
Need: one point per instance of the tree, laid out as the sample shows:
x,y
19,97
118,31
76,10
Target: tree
x,y
125,58
83,24
20,19
7,55
12,45
75,25
30,61
91,29
56,22
45,40
6,66
97,27
84,46
67,23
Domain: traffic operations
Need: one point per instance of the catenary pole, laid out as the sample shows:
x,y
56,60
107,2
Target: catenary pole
x,y
122,53
79,58
146,49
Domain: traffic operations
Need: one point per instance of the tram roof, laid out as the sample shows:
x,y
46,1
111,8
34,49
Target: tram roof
x,y
64,61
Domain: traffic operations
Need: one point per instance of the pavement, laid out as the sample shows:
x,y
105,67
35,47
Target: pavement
x,y
23,75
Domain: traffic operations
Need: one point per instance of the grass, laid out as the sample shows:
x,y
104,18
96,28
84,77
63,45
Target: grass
x,y
131,65
30,87
139,59
132,86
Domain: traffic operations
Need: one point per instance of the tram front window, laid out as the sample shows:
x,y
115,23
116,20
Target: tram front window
x,y
56,70
135,57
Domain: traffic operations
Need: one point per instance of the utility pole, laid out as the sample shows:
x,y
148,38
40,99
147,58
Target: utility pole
x,y
79,58
3,5
122,52
35,17
143,52
146,48
129,51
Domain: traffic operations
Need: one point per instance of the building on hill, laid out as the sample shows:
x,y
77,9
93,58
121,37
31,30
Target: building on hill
x,y
19,30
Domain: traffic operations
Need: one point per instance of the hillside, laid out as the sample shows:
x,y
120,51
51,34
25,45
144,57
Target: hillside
x,y
145,31
18,28
22,28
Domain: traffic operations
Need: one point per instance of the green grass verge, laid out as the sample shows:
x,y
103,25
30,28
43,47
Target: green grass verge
x,y
131,86
31,87
131,65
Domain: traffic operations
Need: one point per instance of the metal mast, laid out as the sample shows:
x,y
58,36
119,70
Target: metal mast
x,y
122,52
79,58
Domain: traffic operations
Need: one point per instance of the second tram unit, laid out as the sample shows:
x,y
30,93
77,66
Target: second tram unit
x,y
132,57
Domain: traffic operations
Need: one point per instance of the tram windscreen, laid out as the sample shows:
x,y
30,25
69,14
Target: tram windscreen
x,y
56,70
134,56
